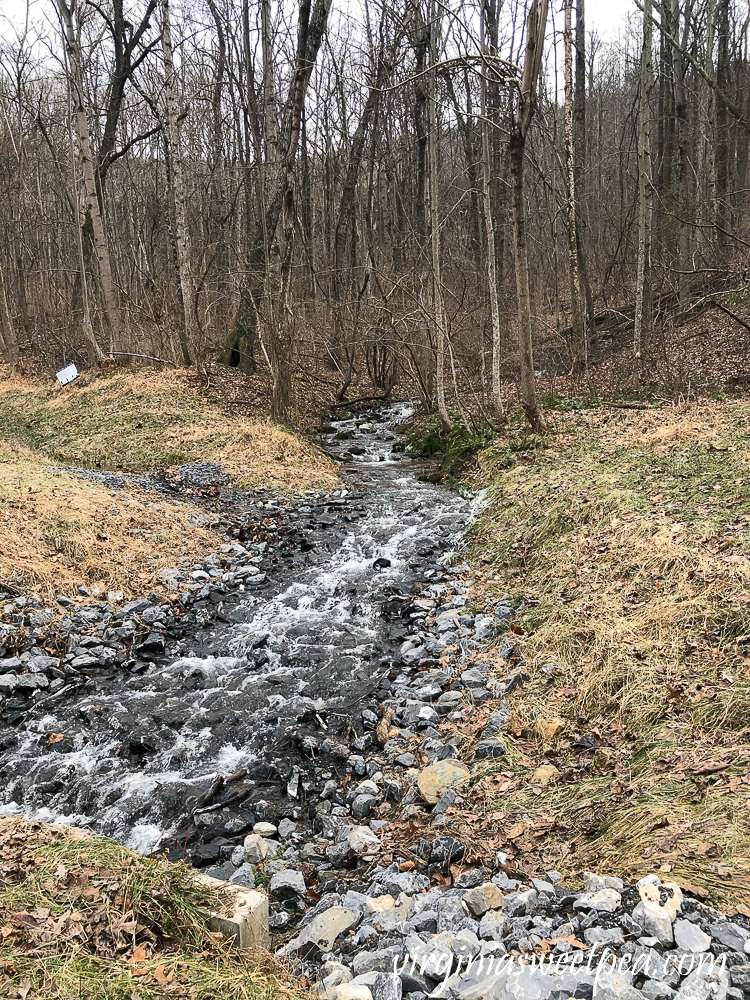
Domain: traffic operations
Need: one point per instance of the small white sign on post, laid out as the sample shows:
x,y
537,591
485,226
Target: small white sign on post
x,y
67,374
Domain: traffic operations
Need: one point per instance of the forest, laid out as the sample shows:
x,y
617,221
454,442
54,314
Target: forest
x,y
460,197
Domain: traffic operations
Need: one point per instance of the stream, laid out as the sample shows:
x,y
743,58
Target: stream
x,y
297,658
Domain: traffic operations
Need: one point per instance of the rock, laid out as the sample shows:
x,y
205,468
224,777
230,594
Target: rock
x,y
729,934
548,729
492,926
489,749
244,875
654,990
288,884
446,850
437,778
381,563
705,983
464,944
387,986
205,854
323,929
7,683
485,897
659,906
363,805
603,935
286,828
447,799
132,608
545,775
265,829
31,682
519,904
593,882
255,849
375,961
690,937
432,958
362,841
349,991
607,900
740,976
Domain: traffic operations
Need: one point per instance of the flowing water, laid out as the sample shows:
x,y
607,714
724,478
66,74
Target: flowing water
x,y
315,641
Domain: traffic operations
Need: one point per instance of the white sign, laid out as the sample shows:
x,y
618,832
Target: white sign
x,y
67,374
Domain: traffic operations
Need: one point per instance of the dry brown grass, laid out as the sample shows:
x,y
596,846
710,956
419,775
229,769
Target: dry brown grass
x,y
627,543
58,531
146,419
86,919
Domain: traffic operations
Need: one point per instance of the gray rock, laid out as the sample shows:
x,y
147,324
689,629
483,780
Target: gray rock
x,y
244,876
654,990
7,683
729,934
519,904
656,922
31,682
603,935
690,937
483,898
432,958
363,805
322,931
740,976
288,884
705,984
464,944
387,986
489,749
607,900
375,961
286,828
223,872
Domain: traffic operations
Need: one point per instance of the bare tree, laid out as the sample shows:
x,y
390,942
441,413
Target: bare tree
x,y
188,329
526,100
642,322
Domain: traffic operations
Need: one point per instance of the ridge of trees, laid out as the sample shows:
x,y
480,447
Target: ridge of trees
x,y
411,192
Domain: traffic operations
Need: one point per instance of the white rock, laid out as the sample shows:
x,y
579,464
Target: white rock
x,y
265,829
363,841
255,849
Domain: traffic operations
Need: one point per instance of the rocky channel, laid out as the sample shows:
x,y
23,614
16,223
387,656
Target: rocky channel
x,y
281,710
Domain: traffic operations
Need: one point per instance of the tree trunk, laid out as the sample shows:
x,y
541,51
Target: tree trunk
x,y
438,306
8,342
489,228
526,105
642,323
580,341
101,247
188,329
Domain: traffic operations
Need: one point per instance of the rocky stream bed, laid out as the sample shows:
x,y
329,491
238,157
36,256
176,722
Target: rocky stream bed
x,y
279,715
